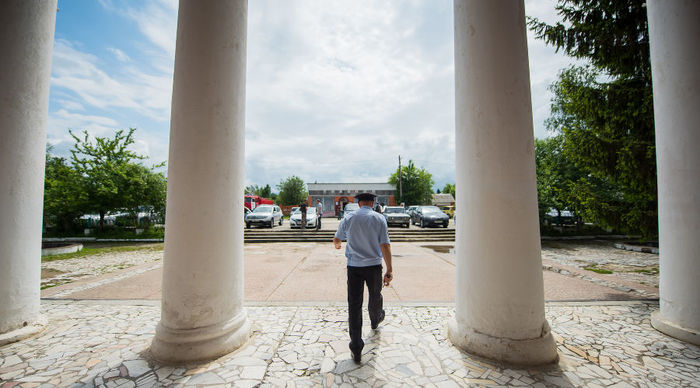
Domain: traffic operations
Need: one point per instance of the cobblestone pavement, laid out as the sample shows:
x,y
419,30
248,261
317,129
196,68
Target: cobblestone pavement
x,y
634,272
59,272
106,344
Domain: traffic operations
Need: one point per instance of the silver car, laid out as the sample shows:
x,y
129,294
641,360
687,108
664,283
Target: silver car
x,y
396,215
264,215
311,218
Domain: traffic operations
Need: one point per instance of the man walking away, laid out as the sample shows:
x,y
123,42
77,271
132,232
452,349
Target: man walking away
x,y
367,239
319,213
302,209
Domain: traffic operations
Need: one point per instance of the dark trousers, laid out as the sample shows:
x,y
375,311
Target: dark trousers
x,y
357,276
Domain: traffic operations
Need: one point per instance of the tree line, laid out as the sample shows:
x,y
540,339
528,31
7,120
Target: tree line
x,y
101,177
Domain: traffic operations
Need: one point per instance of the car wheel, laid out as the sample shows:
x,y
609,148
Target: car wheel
x,y
247,225
422,224
272,223
446,224
280,221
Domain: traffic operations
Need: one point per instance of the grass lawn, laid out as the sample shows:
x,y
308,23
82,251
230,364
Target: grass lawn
x,y
94,249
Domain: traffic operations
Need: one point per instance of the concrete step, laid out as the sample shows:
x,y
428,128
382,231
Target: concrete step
x,y
269,236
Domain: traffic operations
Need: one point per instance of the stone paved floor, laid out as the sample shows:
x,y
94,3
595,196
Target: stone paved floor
x,y
105,343
66,271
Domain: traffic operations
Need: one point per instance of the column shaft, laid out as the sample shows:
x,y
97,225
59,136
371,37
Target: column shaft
x,y
674,34
500,295
202,314
26,40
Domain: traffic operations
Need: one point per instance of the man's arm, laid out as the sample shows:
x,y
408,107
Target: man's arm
x,y
339,234
386,252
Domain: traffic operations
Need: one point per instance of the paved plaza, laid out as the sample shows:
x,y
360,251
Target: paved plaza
x,y
424,272
104,343
102,311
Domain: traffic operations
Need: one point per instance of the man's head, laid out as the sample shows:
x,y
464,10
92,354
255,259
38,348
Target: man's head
x,y
365,199
318,201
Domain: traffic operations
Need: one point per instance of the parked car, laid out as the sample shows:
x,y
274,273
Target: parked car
x,y
311,218
264,215
449,210
396,215
410,210
349,208
554,217
430,215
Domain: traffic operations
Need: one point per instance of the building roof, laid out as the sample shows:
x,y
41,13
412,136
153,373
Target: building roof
x,y
351,186
443,199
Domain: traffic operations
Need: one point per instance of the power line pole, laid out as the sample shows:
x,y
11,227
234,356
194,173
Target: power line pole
x,y
400,189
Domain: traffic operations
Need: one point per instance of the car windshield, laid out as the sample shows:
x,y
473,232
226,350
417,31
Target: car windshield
x,y
263,209
309,210
394,210
430,209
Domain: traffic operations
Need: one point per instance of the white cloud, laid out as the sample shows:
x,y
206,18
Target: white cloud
x,y
119,54
81,73
71,105
157,20
336,90
350,83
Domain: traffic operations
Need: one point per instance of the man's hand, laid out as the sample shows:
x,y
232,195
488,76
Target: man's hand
x,y
337,243
388,277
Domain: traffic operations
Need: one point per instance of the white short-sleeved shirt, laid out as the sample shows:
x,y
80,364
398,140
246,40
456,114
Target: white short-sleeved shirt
x,y
365,230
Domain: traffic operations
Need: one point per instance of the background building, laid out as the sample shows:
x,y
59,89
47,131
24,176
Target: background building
x,y
443,200
334,196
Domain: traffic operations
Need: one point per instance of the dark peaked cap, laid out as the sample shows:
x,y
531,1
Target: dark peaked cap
x,y
365,197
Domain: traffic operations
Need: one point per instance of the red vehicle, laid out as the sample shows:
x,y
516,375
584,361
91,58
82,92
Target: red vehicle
x,y
253,201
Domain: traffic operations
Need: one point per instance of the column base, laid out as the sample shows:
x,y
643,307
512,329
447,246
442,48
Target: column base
x,y
529,352
202,343
16,335
672,329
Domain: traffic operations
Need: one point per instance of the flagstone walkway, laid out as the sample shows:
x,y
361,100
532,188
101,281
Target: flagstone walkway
x,y
103,343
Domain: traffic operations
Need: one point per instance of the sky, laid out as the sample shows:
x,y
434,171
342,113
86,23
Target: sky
x,y
336,90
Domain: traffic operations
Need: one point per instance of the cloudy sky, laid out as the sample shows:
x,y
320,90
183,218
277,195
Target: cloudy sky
x,y
336,90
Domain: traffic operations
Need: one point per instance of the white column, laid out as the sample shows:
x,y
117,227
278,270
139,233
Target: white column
x,y
26,41
202,313
674,34
500,293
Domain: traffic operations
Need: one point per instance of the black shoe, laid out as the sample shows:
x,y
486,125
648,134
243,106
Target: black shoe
x,y
357,357
376,324
356,354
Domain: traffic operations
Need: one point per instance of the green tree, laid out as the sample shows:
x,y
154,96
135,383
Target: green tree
x,y
147,190
450,188
292,191
604,110
416,185
64,195
556,175
114,179
261,191
265,192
